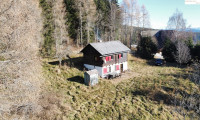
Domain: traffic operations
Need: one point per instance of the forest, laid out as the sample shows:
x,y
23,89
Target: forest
x,y
79,22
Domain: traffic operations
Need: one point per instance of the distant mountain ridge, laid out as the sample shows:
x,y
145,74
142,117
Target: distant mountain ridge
x,y
160,35
195,30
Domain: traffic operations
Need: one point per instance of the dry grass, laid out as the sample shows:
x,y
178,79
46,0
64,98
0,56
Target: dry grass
x,y
20,65
147,93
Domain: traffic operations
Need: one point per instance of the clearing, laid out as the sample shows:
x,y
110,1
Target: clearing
x,y
144,92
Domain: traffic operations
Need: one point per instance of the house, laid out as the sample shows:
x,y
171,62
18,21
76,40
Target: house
x,y
91,77
108,58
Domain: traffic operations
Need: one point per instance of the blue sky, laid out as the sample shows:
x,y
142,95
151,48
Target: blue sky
x,y
161,10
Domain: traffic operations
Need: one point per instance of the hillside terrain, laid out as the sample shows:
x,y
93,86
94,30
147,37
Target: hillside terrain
x,y
35,35
30,31
20,66
144,92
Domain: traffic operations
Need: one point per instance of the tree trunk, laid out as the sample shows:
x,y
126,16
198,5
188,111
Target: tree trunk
x,y
81,34
70,60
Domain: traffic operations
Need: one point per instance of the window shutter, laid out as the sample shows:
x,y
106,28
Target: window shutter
x,y
117,67
109,58
105,70
119,56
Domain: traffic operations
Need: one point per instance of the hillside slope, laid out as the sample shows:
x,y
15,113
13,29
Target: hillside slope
x,y
144,92
20,66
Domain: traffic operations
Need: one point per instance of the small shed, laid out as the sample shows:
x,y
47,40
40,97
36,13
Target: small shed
x,y
91,77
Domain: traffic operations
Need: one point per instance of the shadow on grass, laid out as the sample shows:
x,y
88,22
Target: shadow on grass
x,y
182,75
155,95
76,62
167,89
171,96
77,79
162,97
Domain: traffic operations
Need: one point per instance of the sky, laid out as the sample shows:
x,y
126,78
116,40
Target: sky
x,y
161,10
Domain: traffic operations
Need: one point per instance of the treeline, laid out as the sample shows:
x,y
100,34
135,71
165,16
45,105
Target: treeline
x,y
176,44
181,51
48,28
85,21
92,20
89,21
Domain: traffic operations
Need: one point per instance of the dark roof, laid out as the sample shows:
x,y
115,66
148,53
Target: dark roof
x,y
105,48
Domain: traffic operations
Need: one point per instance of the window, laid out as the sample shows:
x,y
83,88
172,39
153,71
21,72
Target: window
x,y
112,57
109,69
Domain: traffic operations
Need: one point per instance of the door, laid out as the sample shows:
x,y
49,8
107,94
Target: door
x,y
121,68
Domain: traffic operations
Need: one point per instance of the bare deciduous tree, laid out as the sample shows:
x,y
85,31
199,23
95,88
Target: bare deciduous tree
x,y
176,21
178,24
129,7
88,26
81,21
60,33
134,17
183,53
145,17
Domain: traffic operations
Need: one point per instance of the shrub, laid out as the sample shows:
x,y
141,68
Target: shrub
x,y
169,51
146,48
195,52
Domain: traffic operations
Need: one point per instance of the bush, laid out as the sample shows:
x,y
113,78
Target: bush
x,y
146,48
195,52
169,51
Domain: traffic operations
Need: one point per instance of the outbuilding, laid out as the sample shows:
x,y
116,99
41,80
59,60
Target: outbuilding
x,y
91,77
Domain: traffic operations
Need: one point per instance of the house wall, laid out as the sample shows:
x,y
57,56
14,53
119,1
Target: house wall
x,y
124,58
89,55
115,59
94,79
125,66
90,59
113,68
